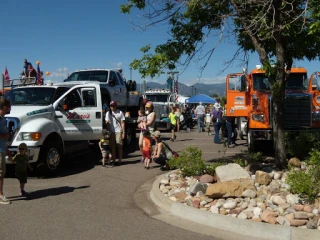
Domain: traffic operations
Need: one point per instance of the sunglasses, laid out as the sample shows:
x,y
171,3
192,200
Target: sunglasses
x,y
112,105
22,149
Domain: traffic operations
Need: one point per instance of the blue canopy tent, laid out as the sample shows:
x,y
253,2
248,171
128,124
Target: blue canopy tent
x,y
201,98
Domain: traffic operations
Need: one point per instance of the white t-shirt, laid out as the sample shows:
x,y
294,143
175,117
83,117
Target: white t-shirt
x,y
115,125
200,110
208,117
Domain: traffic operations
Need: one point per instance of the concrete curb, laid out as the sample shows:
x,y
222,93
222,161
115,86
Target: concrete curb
x,y
245,228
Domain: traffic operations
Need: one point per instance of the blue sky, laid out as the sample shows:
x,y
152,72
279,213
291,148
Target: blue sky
x,y
76,34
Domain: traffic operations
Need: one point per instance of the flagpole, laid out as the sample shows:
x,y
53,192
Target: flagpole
x,y
2,84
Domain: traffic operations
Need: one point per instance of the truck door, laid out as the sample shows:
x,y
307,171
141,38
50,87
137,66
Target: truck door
x,y
78,113
115,89
123,90
314,88
236,85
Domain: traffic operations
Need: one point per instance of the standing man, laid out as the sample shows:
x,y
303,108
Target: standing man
x,y
26,67
216,116
115,123
200,111
5,107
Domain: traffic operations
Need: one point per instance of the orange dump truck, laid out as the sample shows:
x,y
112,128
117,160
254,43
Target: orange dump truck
x,y
249,100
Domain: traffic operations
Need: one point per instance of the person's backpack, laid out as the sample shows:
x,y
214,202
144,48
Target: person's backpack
x,y
170,153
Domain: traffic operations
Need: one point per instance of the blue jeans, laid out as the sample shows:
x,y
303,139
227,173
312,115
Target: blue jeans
x,y
217,126
200,122
231,130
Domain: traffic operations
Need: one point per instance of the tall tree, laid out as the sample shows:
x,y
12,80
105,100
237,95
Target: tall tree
x,y
280,31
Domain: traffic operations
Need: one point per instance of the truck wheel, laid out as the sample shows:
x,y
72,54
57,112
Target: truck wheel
x,y
129,137
50,157
250,140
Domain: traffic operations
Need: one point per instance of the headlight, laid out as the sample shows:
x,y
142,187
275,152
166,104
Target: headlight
x,y
258,117
30,136
316,116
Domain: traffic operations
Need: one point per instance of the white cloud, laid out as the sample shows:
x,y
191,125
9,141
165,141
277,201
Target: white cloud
x,y
59,74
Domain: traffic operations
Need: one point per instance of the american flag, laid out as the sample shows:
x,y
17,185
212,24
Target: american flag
x,y
6,74
39,77
176,90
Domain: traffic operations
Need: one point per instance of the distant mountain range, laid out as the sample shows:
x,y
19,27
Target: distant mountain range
x,y
207,89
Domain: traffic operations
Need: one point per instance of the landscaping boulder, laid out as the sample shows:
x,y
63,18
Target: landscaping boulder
x,y
233,188
230,172
294,162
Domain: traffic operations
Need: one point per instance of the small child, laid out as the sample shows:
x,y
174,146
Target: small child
x,y
105,148
146,149
142,120
22,163
173,121
208,121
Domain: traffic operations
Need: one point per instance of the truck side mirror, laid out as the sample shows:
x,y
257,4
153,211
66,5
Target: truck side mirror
x,y
243,82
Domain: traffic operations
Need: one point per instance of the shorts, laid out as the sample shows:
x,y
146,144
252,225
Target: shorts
x,y
2,164
172,127
116,138
146,154
22,177
105,153
207,125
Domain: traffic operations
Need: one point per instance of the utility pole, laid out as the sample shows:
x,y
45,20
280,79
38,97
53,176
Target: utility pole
x,y
175,84
130,73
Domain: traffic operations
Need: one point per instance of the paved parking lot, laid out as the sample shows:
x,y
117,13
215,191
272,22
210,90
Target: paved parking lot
x,y
86,201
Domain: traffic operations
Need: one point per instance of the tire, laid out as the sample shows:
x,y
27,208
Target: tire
x,y
50,157
251,145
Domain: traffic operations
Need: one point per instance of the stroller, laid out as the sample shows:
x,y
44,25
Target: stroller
x,y
187,122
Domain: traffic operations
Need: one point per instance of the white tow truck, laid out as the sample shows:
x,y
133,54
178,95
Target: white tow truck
x,y
58,119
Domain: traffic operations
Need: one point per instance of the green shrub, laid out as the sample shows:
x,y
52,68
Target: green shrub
x,y
189,161
240,161
299,144
211,168
256,157
306,183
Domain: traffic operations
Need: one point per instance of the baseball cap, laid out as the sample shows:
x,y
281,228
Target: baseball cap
x,y
149,104
156,134
113,103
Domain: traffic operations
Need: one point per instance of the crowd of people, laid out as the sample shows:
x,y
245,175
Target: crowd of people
x,y
223,125
152,148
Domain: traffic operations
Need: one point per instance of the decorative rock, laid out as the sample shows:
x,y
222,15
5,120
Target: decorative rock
x,y
198,187
223,211
231,171
315,212
249,193
281,220
180,196
277,176
233,188
230,205
257,211
196,203
164,181
278,200
262,178
206,178
312,224
294,162
301,215
307,208
214,209
292,199
242,215
298,222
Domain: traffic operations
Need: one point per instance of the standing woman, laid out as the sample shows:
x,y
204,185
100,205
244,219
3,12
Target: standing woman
x,y
151,120
178,113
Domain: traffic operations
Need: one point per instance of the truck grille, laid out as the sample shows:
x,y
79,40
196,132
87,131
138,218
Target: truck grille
x,y
297,111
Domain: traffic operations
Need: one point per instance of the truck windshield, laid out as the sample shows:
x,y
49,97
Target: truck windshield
x,y
100,76
260,82
295,81
31,96
157,98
